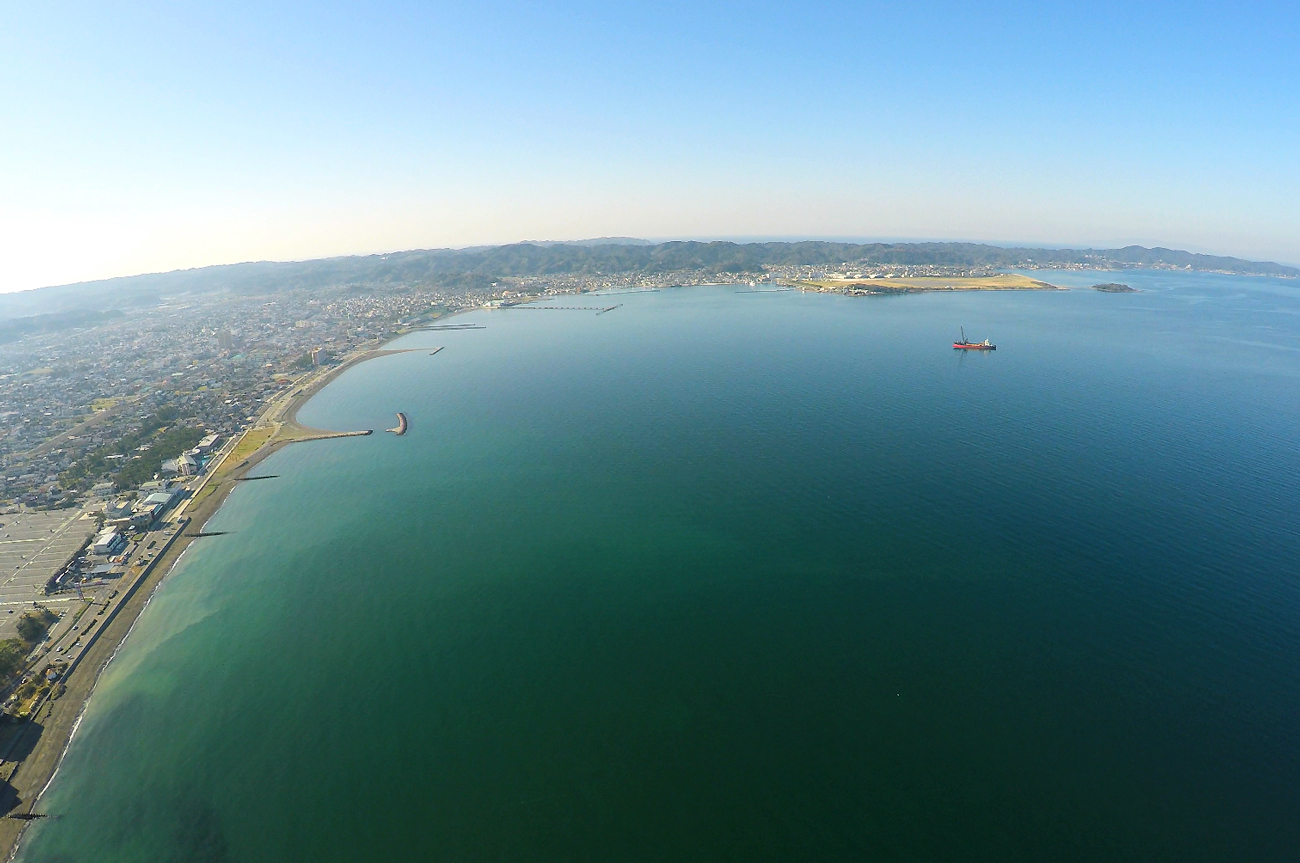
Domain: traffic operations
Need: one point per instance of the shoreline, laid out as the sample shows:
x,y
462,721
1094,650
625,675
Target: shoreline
x,y
920,284
58,718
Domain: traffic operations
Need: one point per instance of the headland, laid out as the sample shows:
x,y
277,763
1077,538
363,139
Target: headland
x,y
919,284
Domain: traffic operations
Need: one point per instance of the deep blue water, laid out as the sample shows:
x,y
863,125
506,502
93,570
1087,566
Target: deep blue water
x,y
744,576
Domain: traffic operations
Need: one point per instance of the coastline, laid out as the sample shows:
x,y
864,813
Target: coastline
x,y
920,284
58,718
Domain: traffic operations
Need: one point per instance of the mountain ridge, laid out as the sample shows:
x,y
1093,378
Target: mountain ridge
x,y
477,267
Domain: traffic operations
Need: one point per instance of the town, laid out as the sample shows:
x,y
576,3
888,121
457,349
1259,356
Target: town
x,y
82,408
109,427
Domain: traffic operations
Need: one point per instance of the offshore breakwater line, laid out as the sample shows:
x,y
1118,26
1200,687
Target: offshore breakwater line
x,y
721,578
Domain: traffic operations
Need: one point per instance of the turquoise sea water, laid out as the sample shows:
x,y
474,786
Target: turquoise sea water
x,y
738,576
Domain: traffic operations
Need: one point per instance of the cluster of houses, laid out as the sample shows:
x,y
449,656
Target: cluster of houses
x,y
189,462
125,515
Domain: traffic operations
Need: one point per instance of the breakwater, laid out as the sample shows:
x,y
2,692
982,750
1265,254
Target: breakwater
x,y
600,310
648,627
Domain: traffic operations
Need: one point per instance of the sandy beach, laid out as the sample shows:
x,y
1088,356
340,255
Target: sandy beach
x,y
50,729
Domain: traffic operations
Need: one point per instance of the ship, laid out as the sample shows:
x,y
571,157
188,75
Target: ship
x,y
964,345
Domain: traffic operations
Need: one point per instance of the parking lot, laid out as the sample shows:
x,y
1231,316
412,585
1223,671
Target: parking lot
x,y
33,547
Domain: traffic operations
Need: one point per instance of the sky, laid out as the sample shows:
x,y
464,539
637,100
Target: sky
x,y
142,137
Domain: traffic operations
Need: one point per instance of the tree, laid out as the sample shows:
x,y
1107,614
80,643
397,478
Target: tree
x,y
33,624
12,654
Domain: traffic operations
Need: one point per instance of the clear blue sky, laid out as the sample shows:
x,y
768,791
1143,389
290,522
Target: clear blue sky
x,y
142,136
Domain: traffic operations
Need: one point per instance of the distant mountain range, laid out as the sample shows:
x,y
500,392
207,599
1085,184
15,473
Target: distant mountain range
x,y
598,241
476,268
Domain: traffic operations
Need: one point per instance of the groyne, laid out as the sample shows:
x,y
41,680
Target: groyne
x,y
55,719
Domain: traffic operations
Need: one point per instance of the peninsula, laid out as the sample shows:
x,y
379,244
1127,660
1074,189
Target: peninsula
x,y
148,383
919,284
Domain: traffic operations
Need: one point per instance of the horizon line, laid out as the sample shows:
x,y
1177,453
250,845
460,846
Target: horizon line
x,y
738,239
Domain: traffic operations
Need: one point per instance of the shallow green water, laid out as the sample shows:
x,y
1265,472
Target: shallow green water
x,y
743,576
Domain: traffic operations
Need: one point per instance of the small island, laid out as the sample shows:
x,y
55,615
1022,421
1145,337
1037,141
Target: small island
x,y
1114,288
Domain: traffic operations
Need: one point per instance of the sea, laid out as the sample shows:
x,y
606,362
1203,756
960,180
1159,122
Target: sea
x,y
740,574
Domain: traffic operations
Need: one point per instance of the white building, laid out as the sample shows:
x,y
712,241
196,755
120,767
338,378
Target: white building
x,y
162,498
185,465
118,509
108,542
146,513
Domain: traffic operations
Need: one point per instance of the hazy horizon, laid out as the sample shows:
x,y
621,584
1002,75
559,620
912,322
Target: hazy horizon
x,y
659,240
145,138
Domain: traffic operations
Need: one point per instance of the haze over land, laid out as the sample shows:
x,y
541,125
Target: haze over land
x,y
702,539
779,570
143,138
92,375
575,265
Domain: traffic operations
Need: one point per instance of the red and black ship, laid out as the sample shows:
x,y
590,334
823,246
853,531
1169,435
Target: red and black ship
x,y
964,345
